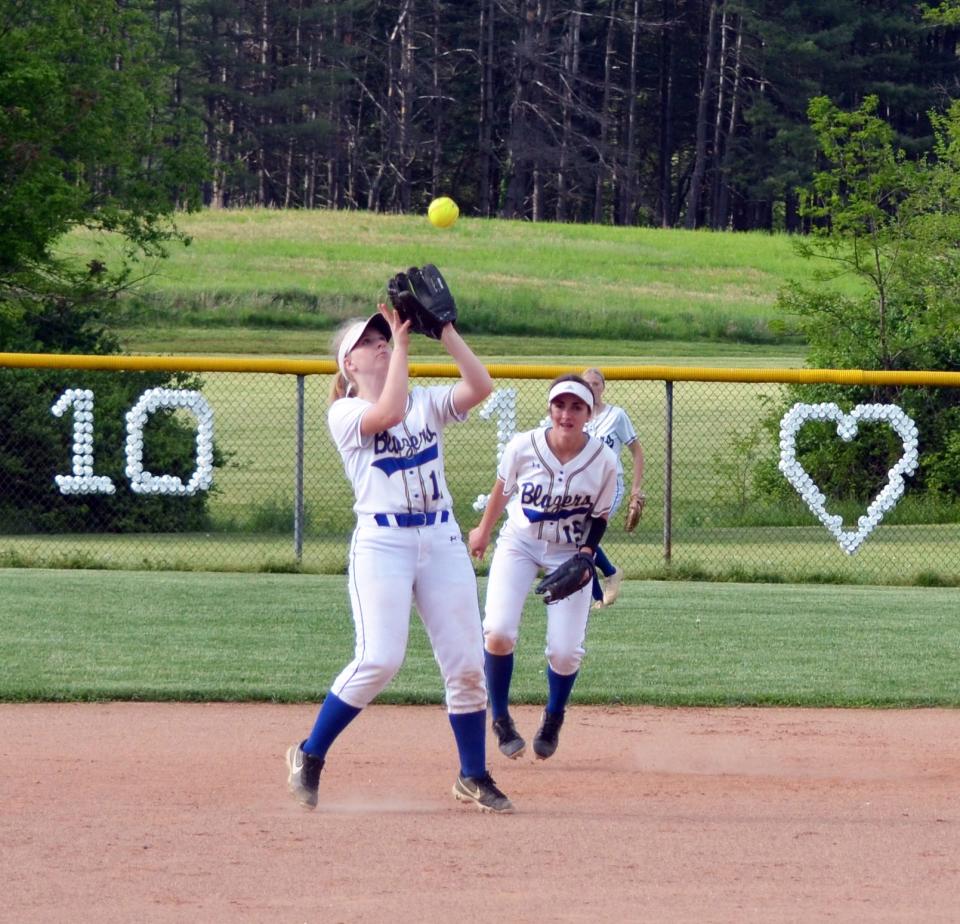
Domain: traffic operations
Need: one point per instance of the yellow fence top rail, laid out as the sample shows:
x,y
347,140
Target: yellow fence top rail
x,y
497,370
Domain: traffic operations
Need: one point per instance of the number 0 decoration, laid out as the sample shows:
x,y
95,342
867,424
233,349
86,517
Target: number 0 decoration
x,y
813,497
150,401
83,481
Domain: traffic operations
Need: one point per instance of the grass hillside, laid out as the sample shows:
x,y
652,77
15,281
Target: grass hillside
x,y
260,281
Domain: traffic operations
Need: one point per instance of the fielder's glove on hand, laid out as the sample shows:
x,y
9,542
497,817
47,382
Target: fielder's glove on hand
x,y
635,510
422,297
576,572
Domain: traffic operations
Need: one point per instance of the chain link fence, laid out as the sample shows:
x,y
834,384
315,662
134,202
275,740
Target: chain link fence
x,y
225,464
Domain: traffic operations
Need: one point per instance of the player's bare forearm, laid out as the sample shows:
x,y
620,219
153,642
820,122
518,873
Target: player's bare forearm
x,y
477,542
475,383
391,406
636,451
479,537
397,383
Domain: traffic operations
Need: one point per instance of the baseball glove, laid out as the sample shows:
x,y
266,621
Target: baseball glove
x,y
576,572
423,298
635,510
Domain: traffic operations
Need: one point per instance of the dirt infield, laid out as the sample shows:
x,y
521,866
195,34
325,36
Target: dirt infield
x,y
164,812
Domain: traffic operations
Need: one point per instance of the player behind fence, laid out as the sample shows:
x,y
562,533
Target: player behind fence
x,y
407,546
612,424
557,484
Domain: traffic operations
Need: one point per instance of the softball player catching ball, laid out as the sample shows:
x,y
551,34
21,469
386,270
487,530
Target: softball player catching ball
x,y
407,546
557,484
612,425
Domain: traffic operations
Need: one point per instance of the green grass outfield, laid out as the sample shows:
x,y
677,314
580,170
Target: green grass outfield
x,y
89,635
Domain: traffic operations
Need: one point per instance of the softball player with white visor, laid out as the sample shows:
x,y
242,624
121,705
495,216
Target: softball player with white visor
x,y
557,484
407,547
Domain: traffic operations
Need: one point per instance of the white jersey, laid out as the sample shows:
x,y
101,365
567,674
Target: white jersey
x,y
400,470
613,426
551,500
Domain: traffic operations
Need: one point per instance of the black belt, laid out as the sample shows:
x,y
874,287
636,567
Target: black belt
x,y
411,519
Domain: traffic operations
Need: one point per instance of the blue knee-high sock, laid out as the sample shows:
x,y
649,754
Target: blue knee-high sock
x,y
499,672
603,563
596,590
334,716
558,687
469,728
605,568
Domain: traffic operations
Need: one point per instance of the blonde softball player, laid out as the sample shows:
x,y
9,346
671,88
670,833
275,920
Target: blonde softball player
x,y
612,424
557,484
407,546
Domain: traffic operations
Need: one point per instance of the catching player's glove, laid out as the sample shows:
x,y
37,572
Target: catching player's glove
x,y
635,510
576,572
423,298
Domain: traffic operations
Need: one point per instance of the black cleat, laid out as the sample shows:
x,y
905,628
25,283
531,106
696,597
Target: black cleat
x,y
510,742
548,734
483,791
304,778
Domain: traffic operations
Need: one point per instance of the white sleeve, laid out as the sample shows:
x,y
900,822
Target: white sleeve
x,y
440,399
608,489
507,467
625,428
343,419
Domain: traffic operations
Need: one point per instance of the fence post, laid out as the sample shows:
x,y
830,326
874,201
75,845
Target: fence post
x,y
298,478
668,475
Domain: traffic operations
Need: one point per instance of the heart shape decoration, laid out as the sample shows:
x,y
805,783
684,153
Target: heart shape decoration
x,y
791,424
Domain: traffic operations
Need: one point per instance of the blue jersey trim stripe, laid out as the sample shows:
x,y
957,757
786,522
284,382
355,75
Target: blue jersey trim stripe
x,y
542,516
392,464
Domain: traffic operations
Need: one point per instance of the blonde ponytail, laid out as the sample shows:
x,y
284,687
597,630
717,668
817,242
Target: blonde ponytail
x,y
339,387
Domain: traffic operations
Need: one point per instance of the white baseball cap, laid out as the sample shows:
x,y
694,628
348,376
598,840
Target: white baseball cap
x,y
569,387
354,333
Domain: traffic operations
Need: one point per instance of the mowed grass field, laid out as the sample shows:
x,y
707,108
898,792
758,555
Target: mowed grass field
x,y
91,635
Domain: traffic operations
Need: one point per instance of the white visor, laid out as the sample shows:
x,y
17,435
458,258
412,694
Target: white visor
x,y
353,335
571,388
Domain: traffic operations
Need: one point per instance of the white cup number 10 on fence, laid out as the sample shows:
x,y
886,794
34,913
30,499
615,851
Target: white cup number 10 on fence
x,y
83,480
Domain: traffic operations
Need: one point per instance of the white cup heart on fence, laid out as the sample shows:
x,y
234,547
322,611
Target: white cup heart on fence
x,y
847,425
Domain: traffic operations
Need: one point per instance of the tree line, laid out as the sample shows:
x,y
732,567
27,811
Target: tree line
x,y
656,112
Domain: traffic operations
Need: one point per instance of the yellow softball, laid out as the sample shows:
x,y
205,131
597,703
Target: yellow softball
x,y
443,212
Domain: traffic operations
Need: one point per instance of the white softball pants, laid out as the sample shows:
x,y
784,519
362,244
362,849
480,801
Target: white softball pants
x,y
391,567
516,562
617,498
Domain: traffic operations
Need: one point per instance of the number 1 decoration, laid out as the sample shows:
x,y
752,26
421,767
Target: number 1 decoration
x,y
82,481
502,404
